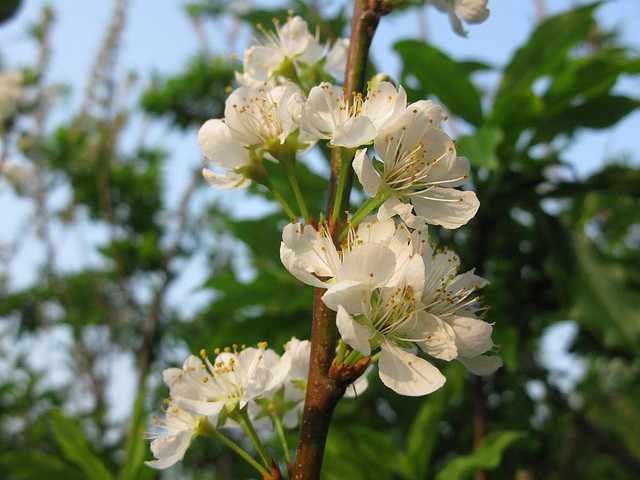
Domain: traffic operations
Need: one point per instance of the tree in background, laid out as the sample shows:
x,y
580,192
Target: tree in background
x,y
553,246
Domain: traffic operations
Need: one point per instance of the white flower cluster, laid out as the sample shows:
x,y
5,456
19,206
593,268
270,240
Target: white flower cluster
x,y
399,301
209,394
392,291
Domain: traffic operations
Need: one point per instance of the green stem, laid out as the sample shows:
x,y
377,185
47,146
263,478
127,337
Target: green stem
x,y
215,433
288,210
367,206
283,439
295,186
344,178
375,358
245,422
342,349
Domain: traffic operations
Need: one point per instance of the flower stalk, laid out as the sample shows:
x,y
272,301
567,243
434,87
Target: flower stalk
x,y
215,433
245,422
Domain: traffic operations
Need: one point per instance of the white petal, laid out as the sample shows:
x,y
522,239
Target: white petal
x,y
473,336
348,293
456,24
291,418
451,172
352,333
446,206
297,356
384,104
370,264
294,36
199,407
304,252
220,147
371,230
228,181
406,373
298,268
369,179
354,132
482,364
169,449
393,207
337,57
433,112
169,375
439,338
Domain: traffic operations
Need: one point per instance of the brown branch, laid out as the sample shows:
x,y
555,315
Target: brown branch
x,y
323,393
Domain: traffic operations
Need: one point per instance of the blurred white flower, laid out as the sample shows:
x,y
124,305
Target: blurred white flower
x,y
11,90
471,11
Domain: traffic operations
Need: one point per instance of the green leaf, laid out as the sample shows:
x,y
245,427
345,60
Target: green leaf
x,y
480,148
355,451
136,446
441,76
603,302
600,112
74,446
30,464
423,432
545,51
590,77
487,457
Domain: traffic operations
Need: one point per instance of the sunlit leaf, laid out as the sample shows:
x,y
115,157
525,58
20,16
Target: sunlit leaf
x,y
74,446
487,457
441,76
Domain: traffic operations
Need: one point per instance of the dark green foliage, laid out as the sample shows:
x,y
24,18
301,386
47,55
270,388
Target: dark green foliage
x,y
193,97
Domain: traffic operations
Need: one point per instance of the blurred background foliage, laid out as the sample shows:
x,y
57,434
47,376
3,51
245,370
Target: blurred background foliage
x,y
561,252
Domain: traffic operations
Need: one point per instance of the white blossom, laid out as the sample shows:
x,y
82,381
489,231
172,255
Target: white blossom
x,y
230,382
287,52
372,254
418,163
255,119
350,123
